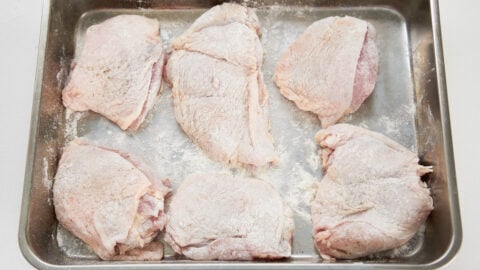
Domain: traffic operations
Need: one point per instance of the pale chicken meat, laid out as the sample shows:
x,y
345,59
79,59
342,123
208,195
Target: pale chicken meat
x,y
331,68
219,96
221,217
371,197
118,72
111,201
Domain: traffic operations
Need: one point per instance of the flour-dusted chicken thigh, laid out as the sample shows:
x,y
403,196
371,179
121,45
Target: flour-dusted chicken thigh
x,y
217,216
111,201
371,197
331,68
118,73
218,91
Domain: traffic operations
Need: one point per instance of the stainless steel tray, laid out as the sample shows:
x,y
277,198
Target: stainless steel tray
x,y
409,104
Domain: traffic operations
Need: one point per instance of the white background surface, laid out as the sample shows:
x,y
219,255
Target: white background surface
x,y
19,32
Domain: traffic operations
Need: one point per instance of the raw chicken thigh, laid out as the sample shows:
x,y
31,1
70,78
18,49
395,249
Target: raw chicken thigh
x,y
331,68
217,216
110,201
119,70
371,197
218,91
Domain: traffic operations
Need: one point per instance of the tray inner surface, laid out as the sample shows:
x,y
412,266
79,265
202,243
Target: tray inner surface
x,y
395,109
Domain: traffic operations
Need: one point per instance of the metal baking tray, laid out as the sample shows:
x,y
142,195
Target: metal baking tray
x,y
409,104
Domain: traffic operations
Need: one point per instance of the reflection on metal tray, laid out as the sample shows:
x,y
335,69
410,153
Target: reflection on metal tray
x,y
408,104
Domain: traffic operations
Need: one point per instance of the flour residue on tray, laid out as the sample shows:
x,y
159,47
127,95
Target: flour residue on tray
x,y
47,179
392,124
71,245
406,250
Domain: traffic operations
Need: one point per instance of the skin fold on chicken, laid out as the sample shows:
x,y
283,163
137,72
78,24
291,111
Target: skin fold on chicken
x,y
111,201
118,73
331,68
217,85
371,197
221,217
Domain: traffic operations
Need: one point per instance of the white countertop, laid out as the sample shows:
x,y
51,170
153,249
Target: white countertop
x,y
19,32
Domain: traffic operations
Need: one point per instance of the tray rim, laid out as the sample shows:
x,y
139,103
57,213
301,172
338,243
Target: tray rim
x,y
446,258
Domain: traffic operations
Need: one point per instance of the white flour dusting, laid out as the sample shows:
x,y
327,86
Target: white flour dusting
x,y
71,120
71,245
64,69
47,180
390,126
